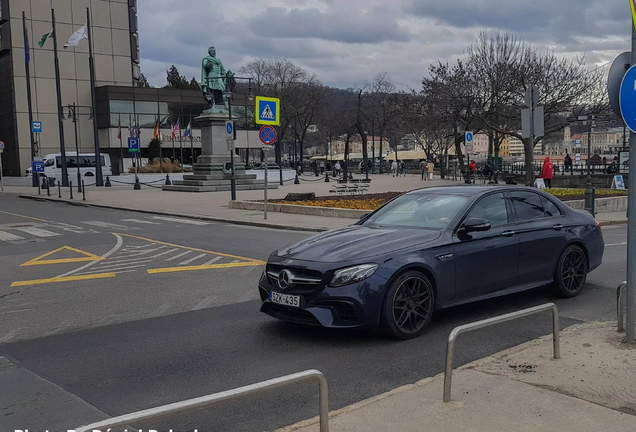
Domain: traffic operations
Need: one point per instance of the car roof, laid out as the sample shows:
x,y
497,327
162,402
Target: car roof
x,y
470,190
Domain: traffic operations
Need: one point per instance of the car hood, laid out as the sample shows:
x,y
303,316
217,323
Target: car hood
x,y
356,242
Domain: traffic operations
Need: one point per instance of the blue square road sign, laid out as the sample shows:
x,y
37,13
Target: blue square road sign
x,y
38,166
36,126
133,144
267,111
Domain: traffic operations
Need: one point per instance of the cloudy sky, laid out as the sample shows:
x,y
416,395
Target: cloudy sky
x,y
347,42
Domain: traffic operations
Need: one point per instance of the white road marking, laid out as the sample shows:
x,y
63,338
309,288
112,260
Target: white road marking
x,y
101,271
115,248
139,259
205,302
616,244
225,268
38,232
179,256
16,311
124,266
159,311
141,221
125,254
188,261
107,225
247,270
213,260
5,236
185,221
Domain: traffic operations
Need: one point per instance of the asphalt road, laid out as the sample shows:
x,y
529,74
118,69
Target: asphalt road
x,y
149,336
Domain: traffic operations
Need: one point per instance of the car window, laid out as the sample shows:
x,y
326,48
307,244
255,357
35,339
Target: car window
x,y
49,162
550,208
427,211
527,205
492,208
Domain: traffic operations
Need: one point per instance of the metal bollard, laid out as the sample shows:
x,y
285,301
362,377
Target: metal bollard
x,y
107,184
83,191
38,186
70,188
296,181
326,177
59,190
168,182
137,184
48,188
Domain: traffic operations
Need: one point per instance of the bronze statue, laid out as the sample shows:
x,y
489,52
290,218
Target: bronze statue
x,y
213,77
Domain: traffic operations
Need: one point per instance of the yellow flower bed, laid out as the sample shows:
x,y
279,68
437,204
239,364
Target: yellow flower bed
x,y
357,204
581,192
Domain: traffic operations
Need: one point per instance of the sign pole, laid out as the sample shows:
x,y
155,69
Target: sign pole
x,y
265,189
2,176
631,223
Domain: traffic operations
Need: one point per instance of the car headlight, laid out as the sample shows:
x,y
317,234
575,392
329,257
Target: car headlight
x,y
352,274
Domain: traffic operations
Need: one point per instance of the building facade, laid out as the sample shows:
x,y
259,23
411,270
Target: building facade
x,y
116,59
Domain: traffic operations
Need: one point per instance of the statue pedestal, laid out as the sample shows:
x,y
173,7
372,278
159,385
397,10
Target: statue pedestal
x,y
212,170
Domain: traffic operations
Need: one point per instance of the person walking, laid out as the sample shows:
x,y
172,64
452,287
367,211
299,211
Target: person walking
x,y
322,167
337,168
430,167
568,164
423,168
403,168
546,173
394,168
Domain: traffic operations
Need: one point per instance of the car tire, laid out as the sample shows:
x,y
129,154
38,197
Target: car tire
x,y
570,273
408,306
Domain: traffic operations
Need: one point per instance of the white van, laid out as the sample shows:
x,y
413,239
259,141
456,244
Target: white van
x,y
53,165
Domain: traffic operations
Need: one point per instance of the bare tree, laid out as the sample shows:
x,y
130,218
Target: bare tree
x,y
504,68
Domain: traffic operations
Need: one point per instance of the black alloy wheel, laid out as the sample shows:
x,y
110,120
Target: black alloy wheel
x,y
408,306
571,272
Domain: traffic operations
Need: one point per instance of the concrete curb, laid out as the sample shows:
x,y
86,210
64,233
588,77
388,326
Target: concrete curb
x,y
182,215
300,209
612,222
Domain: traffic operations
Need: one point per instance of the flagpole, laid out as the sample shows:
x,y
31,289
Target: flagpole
x,y
99,181
180,137
172,135
191,142
59,103
121,145
34,175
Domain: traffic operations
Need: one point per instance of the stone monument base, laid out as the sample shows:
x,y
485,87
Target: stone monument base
x,y
212,170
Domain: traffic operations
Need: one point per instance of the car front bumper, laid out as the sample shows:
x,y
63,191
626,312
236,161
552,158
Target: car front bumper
x,y
351,306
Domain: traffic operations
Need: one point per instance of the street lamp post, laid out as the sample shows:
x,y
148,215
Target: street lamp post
x,y
228,95
589,191
73,114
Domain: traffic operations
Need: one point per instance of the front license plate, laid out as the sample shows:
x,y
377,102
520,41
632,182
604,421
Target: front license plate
x,y
284,299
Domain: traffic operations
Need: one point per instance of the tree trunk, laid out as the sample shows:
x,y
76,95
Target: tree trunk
x,y
528,147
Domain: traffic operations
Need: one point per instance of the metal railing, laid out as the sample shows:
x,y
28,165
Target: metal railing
x,y
620,305
452,337
203,401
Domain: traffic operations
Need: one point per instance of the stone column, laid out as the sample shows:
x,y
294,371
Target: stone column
x,y
215,157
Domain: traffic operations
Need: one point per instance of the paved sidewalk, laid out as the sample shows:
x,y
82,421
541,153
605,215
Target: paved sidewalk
x,y
214,205
590,389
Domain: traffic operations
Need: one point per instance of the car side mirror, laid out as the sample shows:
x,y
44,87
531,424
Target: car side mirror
x,y
475,225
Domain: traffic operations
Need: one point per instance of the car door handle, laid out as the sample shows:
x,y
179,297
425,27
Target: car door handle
x,y
557,227
508,233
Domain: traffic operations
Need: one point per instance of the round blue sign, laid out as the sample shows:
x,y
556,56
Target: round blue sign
x,y
228,128
627,98
469,136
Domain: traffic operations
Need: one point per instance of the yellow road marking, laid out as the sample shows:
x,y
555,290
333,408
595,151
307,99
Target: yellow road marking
x,y
205,267
63,279
26,217
87,256
252,261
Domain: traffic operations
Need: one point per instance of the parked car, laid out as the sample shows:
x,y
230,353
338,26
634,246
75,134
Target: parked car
x,y
53,165
270,166
431,249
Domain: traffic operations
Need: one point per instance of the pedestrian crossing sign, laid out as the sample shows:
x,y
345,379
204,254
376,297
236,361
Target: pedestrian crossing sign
x,y
267,111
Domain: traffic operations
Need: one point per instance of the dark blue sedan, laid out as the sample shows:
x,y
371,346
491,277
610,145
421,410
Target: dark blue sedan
x,y
431,249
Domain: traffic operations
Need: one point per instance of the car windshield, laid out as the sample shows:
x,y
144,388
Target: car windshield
x,y
427,211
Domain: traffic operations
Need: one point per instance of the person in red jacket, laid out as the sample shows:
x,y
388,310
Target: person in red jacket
x,y
546,174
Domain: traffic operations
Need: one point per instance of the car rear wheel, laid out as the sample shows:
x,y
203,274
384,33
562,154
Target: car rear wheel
x,y
408,306
570,273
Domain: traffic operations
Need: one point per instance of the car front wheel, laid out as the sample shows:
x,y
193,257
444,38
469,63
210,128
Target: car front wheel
x,y
408,306
570,273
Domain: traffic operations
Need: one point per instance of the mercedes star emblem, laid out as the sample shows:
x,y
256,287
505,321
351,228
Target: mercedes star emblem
x,y
284,278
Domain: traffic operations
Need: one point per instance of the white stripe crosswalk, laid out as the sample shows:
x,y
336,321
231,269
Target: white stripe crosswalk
x,y
185,221
38,232
5,236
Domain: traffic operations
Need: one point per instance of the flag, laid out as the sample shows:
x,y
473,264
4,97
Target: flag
x,y
45,36
175,129
133,127
76,38
188,130
119,129
156,132
27,54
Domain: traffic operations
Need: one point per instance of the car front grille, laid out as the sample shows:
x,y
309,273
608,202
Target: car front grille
x,y
301,280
